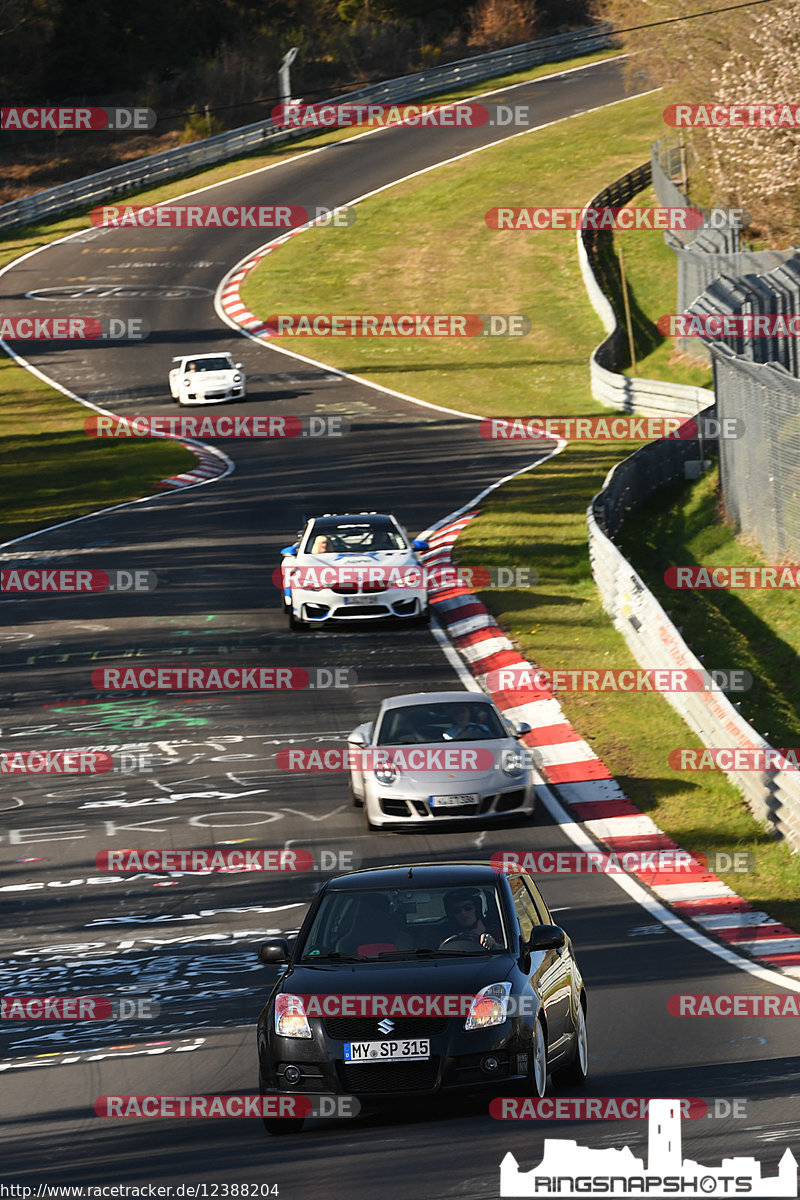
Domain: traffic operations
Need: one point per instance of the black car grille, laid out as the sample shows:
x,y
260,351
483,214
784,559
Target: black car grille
x,y
507,801
362,610
365,1029
393,806
389,1077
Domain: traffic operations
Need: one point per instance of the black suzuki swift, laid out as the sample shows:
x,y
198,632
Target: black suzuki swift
x,y
410,981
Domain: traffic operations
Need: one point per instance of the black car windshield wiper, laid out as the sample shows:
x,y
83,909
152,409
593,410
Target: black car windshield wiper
x,y
332,956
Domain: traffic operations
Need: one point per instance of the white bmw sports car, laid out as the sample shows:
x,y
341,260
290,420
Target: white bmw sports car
x,y
358,566
206,379
434,755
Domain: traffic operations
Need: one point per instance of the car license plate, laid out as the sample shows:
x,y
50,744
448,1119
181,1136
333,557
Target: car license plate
x,y
350,600
452,801
399,1051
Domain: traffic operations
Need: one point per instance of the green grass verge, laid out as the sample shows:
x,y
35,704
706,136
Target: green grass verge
x,y
424,247
54,471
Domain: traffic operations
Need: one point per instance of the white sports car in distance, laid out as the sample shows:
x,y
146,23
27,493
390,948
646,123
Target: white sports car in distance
x,y
354,566
430,756
206,379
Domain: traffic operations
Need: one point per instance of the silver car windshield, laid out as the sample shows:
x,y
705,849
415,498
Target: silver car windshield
x,y
443,722
406,923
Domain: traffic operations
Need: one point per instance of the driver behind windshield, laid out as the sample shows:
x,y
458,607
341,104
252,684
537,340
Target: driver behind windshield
x,y
467,916
468,723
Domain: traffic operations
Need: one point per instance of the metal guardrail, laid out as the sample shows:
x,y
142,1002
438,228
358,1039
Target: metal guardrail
x,y
647,397
772,796
170,164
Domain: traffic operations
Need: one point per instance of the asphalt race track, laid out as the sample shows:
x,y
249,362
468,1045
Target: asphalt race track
x,y
212,778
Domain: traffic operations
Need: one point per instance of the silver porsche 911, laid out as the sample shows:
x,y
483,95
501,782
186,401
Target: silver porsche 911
x,y
435,755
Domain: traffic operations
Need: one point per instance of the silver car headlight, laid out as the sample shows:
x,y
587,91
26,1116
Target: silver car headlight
x,y
237,379
490,1006
514,763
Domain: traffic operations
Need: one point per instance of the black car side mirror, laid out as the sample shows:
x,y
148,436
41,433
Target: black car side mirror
x,y
546,937
276,950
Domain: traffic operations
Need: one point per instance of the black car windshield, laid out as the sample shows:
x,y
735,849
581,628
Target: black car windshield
x,y
208,364
405,923
353,537
460,721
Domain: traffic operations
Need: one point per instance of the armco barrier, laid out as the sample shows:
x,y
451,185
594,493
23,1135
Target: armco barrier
x,y
648,397
773,796
158,168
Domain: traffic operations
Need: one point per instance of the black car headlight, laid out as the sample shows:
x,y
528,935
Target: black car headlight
x,y
490,1006
290,1016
